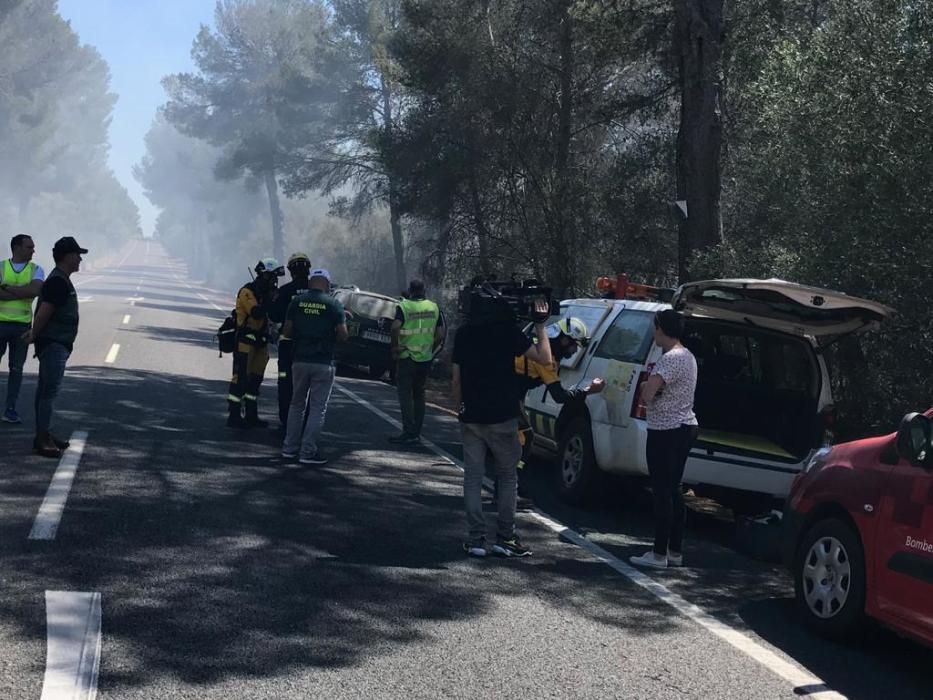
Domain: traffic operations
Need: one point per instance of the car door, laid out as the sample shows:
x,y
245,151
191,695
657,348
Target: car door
x,y
619,356
904,551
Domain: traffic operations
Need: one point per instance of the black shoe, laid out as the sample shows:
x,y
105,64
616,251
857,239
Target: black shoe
x,y
235,420
316,460
46,448
511,547
404,439
60,444
255,423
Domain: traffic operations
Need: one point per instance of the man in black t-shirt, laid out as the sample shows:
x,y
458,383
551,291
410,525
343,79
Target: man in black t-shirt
x,y
54,330
485,390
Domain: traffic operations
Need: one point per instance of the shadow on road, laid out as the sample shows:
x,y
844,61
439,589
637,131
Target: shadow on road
x,y
217,560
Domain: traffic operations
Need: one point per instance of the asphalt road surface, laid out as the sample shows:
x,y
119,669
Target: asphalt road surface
x,y
191,561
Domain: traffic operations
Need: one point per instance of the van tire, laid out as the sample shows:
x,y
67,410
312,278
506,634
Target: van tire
x,y
836,540
578,477
377,371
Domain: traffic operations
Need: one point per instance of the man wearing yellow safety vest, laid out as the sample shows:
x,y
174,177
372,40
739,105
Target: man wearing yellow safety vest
x,y
416,333
20,283
252,353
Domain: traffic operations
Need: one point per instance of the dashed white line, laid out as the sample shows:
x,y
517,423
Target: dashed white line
x,y
112,355
72,665
804,682
50,512
126,319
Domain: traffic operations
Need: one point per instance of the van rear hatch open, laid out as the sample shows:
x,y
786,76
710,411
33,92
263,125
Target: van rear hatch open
x,y
780,305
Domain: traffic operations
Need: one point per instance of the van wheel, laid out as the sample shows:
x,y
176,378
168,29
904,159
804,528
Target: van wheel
x,y
578,477
829,579
377,371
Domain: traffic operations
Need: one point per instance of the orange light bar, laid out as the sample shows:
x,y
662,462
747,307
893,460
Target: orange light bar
x,y
621,288
605,284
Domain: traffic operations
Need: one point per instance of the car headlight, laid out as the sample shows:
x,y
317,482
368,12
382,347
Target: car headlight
x,y
817,460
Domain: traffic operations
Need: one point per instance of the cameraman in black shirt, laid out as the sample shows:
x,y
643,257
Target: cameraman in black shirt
x,y
485,390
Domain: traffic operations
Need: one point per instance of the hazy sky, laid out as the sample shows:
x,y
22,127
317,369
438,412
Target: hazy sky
x,y
142,40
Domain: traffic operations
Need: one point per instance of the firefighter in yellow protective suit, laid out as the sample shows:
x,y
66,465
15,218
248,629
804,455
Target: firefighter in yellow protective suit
x,y
566,336
252,353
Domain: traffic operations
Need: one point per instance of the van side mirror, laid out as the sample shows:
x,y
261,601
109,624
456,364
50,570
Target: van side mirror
x,y
913,438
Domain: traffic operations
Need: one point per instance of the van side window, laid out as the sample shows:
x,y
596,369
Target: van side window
x,y
629,337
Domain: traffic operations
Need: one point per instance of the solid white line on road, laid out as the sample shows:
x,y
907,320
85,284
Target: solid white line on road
x,y
50,512
804,682
126,319
72,665
112,355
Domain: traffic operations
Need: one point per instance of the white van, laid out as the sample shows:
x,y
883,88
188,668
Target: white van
x,y
763,395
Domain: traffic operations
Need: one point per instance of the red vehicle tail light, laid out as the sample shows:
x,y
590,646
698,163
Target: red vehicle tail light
x,y
638,408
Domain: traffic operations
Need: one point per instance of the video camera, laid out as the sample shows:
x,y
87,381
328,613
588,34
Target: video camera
x,y
490,301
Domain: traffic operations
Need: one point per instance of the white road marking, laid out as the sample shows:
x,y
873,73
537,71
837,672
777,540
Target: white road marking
x,y
804,682
84,300
112,355
72,665
205,298
126,319
53,505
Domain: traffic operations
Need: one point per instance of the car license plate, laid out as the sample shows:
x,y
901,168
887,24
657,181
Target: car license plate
x,y
377,336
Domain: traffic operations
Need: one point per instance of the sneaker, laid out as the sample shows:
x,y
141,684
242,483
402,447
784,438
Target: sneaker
x,y
476,548
511,547
650,560
289,455
404,439
674,559
11,416
315,460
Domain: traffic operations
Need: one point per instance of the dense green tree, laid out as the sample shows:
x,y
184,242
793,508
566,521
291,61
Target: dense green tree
x,y
830,181
521,111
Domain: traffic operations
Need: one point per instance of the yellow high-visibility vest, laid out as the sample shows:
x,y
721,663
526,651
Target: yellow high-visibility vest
x,y
17,310
416,338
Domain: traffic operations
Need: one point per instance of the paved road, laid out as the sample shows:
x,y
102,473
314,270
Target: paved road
x,y
225,572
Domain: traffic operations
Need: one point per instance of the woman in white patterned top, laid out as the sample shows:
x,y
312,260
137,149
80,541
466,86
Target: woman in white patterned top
x,y
672,430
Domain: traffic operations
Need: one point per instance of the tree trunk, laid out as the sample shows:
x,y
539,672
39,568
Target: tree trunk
x,y
698,37
397,243
388,126
482,233
278,242
562,267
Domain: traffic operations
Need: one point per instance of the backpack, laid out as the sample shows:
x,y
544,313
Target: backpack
x,y
226,334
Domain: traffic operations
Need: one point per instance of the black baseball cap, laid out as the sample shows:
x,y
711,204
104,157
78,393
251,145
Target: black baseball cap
x,y
66,245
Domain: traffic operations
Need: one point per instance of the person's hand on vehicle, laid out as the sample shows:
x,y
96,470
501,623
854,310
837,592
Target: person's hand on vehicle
x,y
596,386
